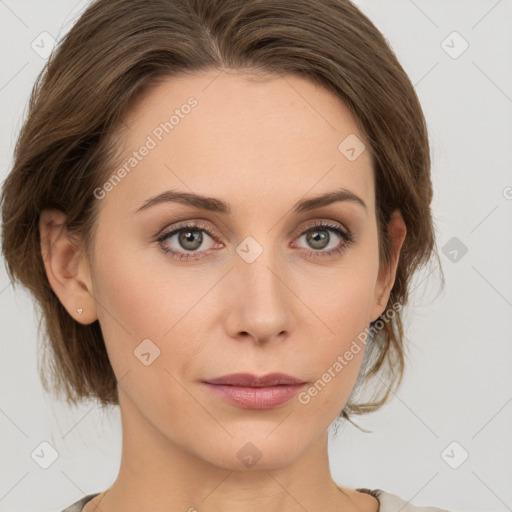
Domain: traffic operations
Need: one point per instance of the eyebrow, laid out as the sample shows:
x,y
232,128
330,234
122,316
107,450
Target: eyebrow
x,y
217,206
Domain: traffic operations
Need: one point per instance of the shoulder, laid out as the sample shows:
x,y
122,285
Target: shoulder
x,y
388,502
392,503
78,505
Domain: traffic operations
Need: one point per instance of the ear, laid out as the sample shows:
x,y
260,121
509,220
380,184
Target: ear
x,y
66,267
386,278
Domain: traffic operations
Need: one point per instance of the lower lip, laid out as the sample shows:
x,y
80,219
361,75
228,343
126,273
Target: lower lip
x,y
255,398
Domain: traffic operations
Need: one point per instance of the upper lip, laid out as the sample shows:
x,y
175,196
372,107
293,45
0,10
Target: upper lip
x,y
255,381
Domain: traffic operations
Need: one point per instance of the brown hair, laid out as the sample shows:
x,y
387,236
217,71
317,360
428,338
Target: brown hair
x,y
117,51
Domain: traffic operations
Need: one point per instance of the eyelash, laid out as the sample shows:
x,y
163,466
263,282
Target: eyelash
x,y
347,237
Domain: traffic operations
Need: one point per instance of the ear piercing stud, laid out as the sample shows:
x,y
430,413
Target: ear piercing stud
x,y
80,311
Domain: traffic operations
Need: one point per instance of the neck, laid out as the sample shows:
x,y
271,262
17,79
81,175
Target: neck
x,y
160,474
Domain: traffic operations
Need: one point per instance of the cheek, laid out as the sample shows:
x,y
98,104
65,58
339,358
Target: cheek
x,y
335,358
129,290
128,305
139,297
342,301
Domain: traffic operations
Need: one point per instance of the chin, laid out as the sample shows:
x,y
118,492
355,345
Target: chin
x,y
255,451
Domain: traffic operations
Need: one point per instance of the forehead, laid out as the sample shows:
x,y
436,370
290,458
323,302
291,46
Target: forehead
x,y
239,137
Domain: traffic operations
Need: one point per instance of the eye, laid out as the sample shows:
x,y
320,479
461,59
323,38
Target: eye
x,y
318,238
191,237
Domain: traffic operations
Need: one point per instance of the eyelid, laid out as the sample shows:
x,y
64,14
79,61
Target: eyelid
x,y
213,232
196,224
326,223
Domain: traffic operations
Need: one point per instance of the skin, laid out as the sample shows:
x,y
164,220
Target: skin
x,y
259,145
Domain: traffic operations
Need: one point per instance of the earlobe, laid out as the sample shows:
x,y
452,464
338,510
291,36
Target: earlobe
x,y
397,233
66,268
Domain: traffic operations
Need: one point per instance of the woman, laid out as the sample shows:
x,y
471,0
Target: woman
x,y
219,206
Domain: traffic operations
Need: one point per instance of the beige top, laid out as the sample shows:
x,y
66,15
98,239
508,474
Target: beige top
x,y
387,503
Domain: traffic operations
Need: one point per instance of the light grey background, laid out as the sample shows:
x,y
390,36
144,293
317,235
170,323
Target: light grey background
x,y
458,381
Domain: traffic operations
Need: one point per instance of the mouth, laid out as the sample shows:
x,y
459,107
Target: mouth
x,y
248,391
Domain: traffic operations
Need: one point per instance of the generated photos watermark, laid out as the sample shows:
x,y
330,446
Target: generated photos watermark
x,y
152,140
343,360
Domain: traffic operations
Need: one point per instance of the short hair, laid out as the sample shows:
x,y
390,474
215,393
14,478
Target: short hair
x,y
119,50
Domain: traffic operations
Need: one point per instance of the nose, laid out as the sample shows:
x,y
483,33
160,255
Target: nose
x,y
262,303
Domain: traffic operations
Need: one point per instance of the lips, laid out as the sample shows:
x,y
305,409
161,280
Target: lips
x,y
248,391
254,381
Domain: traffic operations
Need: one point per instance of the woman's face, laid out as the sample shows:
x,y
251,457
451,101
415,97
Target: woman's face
x,y
254,286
